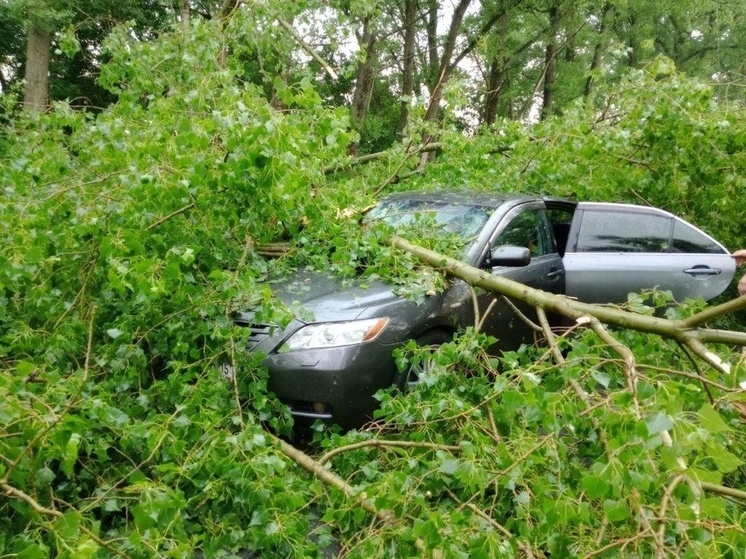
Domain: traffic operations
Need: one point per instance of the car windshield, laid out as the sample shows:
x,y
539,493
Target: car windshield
x,y
463,220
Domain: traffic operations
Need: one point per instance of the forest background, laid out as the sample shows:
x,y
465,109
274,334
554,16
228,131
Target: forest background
x,y
149,149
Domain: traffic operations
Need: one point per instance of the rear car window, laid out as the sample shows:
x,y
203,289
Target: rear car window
x,y
605,231
623,232
689,240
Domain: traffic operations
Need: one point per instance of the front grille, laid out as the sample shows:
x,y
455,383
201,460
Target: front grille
x,y
259,333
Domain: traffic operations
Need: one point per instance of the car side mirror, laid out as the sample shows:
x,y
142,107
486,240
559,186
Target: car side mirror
x,y
508,255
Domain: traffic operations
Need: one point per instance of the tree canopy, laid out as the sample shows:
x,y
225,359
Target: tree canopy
x,y
131,234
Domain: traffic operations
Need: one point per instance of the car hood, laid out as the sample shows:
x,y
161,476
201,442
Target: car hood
x,y
321,296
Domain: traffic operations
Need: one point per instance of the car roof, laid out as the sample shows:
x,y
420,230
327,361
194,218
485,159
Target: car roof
x,y
487,198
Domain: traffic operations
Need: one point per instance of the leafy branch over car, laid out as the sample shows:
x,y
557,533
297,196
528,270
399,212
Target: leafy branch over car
x,y
338,351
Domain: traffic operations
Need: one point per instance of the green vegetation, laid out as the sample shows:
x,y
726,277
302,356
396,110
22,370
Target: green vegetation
x,y
129,238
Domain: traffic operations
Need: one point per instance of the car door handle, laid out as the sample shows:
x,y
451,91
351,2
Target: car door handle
x,y
555,273
703,271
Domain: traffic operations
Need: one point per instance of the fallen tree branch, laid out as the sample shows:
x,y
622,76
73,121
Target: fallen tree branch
x,y
674,329
574,384
432,146
722,490
378,443
317,469
308,48
627,357
169,216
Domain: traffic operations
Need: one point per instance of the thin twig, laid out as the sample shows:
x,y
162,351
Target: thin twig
x,y
662,513
523,318
234,382
707,356
169,216
549,336
11,491
317,470
480,324
91,267
618,543
700,376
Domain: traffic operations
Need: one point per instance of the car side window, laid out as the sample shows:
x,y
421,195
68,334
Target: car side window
x,y
688,239
603,231
527,229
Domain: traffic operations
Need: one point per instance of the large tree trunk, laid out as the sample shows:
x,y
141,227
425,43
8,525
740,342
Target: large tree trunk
x,y
36,96
497,76
495,81
550,62
185,14
600,48
433,59
445,68
407,88
366,76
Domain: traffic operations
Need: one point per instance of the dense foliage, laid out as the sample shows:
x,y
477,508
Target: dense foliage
x,y
128,240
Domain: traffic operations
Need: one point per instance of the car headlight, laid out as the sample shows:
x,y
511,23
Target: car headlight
x,y
336,334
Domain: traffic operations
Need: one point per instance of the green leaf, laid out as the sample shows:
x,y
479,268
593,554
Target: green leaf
x,y
658,423
44,476
711,421
33,551
86,549
714,507
68,524
114,333
70,456
448,465
724,461
616,511
595,486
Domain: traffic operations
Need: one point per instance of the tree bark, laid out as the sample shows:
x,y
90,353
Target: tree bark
x,y
445,68
600,48
407,89
36,95
185,13
497,76
550,62
366,77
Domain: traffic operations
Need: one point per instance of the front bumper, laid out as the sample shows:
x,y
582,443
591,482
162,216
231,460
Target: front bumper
x,y
332,384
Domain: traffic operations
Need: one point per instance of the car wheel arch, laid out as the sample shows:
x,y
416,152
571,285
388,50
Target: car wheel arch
x,y
432,338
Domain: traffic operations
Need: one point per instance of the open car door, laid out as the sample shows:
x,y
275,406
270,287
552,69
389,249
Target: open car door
x,y
616,249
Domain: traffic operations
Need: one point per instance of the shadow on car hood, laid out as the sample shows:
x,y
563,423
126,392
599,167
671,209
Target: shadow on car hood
x,y
322,296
